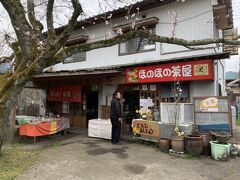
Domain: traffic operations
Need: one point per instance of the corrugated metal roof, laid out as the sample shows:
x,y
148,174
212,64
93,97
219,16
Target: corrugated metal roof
x,y
81,73
118,66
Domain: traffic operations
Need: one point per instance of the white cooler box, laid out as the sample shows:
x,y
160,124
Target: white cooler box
x,y
100,128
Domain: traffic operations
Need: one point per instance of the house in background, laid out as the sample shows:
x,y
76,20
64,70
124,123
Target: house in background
x,y
232,82
81,87
4,67
233,90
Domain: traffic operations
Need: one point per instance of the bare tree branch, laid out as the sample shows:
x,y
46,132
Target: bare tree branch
x,y
238,37
77,11
7,39
37,26
20,24
51,31
190,44
69,28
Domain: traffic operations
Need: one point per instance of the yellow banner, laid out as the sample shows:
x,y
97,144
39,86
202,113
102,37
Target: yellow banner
x,y
53,127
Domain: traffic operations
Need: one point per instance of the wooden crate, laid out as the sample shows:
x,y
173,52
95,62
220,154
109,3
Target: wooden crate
x,y
105,112
125,128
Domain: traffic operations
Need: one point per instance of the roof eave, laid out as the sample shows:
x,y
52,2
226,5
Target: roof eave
x,y
117,69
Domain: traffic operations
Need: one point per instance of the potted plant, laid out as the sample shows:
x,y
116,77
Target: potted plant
x,y
177,135
177,140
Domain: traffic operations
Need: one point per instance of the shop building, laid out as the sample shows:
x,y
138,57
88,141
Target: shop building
x,y
81,87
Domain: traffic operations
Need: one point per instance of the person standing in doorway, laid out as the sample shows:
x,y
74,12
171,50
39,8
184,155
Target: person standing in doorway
x,y
116,117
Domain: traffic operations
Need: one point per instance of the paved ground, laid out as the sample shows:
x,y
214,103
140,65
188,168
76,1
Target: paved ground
x,y
80,157
236,134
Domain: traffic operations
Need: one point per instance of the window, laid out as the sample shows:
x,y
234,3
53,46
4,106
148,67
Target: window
x,y
137,45
78,57
168,93
65,108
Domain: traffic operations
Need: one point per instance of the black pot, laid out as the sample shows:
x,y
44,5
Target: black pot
x,y
194,144
206,142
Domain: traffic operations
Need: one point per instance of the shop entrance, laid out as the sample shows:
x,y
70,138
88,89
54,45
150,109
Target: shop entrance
x,y
130,105
92,105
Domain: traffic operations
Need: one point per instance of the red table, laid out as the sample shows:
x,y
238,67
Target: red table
x,y
44,128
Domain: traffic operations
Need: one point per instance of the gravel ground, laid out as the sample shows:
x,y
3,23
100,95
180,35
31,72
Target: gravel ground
x,y
80,157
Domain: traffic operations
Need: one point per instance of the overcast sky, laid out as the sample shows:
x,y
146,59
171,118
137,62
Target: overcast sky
x,y
233,63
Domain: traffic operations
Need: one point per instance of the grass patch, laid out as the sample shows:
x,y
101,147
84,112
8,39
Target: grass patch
x,y
147,143
189,156
237,122
14,161
55,145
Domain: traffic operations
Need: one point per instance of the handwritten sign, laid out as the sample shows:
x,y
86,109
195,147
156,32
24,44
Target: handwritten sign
x,y
182,71
153,87
144,87
146,102
209,104
148,128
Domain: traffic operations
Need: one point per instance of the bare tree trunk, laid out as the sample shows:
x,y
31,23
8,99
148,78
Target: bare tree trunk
x,y
9,127
2,118
7,103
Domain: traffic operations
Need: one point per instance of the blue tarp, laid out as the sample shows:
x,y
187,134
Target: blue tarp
x,y
214,127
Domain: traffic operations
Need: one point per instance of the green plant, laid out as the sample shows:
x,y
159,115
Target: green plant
x,y
55,145
148,143
14,161
237,122
189,156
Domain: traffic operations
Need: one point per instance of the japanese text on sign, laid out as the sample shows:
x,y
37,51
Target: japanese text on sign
x,y
193,70
148,128
174,71
67,94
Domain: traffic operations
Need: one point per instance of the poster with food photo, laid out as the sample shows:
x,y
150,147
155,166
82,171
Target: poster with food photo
x,y
209,104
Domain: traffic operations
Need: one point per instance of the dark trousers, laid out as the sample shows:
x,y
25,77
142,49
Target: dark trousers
x,y
116,130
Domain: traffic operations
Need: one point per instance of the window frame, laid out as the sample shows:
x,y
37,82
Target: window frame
x,y
152,27
64,61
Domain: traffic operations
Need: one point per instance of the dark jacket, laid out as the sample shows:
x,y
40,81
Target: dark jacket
x,y
116,110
